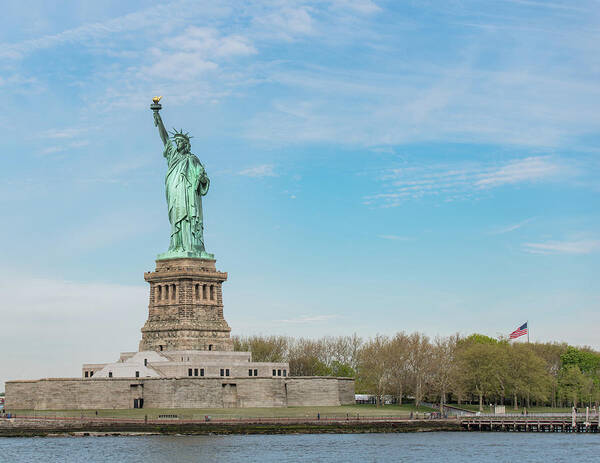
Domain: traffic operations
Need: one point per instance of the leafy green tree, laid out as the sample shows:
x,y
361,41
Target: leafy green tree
x,y
551,353
477,338
587,360
574,363
527,374
308,357
309,365
343,370
573,384
479,364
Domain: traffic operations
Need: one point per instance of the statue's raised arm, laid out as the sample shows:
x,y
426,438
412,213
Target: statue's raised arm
x,y
156,107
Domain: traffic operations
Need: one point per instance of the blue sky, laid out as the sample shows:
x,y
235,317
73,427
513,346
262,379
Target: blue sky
x,y
375,166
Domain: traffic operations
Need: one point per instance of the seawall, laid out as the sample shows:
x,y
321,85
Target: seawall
x,y
28,427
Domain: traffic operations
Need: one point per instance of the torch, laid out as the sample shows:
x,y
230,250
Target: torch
x,y
156,107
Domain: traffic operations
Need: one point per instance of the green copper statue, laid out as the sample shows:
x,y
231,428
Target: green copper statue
x,y
186,182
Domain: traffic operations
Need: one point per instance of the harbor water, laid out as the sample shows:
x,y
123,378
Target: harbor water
x,y
447,447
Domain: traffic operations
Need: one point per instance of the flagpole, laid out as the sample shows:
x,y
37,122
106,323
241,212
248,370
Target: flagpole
x,y
527,331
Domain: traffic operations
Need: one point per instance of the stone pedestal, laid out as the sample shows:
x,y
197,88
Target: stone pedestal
x,y
186,307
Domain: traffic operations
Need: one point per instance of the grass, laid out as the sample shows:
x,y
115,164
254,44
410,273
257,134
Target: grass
x,y
233,413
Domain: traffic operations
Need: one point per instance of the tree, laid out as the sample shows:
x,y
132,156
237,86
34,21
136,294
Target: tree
x,y
587,360
478,362
526,374
419,361
343,370
374,367
307,357
579,378
551,353
396,352
573,384
264,349
443,367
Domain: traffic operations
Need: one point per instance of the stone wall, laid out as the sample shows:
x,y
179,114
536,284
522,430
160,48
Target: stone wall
x,y
346,391
119,393
304,391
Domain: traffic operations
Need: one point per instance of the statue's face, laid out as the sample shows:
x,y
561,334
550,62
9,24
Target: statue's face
x,y
182,144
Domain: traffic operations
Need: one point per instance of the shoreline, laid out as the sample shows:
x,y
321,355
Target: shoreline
x,y
84,428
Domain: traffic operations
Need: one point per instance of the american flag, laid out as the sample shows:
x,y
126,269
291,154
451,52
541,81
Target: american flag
x,y
520,331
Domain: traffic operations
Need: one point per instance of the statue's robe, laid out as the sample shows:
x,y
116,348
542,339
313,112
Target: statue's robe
x,y
186,182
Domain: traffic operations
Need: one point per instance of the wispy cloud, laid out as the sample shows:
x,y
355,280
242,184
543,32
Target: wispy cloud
x,y
563,247
194,52
362,6
451,182
310,319
393,237
63,148
510,228
211,51
68,132
264,170
287,23
91,31
525,170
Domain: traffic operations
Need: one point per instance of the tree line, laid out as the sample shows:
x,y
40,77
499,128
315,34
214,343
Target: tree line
x,y
454,369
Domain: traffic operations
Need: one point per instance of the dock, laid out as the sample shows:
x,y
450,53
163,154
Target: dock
x,y
546,422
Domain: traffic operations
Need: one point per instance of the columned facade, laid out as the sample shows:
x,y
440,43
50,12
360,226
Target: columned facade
x,y
185,307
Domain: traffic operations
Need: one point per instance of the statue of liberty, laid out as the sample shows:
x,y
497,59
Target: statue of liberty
x,y
186,182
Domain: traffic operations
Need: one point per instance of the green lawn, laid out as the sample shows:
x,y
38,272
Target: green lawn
x,y
288,412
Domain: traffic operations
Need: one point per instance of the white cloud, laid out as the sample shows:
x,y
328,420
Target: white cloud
x,y
510,228
69,132
62,148
286,23
91,31
523,170
194,52
430,101
208,41
563,247
310,319
393,237
523,99
463,180
360,6
264,170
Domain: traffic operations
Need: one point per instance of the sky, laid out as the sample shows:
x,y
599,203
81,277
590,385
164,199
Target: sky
x,y
376,166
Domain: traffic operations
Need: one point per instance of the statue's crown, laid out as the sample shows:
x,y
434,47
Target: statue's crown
x,y
181,134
